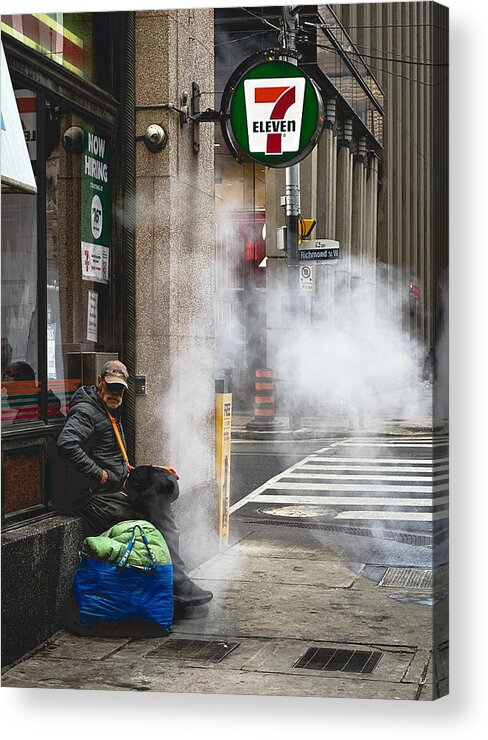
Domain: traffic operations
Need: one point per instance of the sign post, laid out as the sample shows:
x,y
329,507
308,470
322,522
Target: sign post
x,y
223,422
272,113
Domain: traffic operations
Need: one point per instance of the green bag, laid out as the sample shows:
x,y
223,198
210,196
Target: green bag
x,y
109,546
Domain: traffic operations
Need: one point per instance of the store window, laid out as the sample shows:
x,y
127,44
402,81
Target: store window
x,y
78,172
63,231
20,358
76,41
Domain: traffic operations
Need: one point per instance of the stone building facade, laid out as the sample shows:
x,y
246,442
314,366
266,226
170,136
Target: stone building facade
x,y
111,74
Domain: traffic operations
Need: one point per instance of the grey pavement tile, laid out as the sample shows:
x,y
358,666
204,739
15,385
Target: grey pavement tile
x,y
312,613
149,676
416,668
282,550
235,660
329,545
275,571
281,655
74,647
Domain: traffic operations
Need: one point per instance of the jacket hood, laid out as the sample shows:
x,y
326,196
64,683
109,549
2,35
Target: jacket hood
x,y
86,394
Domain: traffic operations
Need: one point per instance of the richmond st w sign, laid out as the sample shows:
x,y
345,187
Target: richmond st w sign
x,y
272,113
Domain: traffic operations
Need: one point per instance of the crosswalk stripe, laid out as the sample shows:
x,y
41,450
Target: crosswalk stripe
x,y
375,468
356,487
355,500
396,515
331,476
393,444
369,488
426,461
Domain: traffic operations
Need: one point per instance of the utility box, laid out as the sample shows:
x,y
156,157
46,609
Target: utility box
x,y
88,365
281,238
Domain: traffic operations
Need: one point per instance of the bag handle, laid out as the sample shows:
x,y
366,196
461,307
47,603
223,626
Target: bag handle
x,y
118,437
123,560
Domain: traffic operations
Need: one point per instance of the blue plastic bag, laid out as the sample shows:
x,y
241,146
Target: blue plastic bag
x,y
120,594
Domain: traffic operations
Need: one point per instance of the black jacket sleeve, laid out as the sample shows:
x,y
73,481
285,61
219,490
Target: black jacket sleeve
x,y
78,430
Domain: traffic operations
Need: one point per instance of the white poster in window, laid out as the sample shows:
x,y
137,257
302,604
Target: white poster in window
x,y
92,317
51,351
94,262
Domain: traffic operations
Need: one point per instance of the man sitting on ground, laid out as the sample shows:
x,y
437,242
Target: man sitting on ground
x,y
92,442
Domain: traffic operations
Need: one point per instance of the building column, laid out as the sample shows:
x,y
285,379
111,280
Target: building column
x,y
327,176
370,228
358,204
344,215
175,270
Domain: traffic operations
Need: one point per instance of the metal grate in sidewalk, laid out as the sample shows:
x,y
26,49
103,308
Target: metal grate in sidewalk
x,y
346,661
209,651
415,578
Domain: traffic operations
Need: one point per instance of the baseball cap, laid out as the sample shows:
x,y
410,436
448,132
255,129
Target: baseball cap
x,y
115,372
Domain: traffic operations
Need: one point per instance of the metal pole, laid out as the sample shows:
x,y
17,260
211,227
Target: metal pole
x,y
292,213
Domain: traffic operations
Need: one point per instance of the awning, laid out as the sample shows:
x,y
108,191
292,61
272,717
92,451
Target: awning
x,y
16,165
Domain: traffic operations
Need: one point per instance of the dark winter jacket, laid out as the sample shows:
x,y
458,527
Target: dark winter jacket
x,y
87,442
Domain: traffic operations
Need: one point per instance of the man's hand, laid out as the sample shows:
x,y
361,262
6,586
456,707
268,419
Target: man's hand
x,y
104,477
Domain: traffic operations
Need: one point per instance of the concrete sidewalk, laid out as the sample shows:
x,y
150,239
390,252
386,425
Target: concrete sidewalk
x,y
278,592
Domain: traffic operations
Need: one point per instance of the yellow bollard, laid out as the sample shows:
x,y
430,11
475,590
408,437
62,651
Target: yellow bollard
x,y
223,422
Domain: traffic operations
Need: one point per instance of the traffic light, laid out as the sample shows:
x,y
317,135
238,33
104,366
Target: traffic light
x,y
305,226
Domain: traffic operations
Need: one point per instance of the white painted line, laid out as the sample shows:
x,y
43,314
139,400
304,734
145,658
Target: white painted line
x,y
351,500
348,487
398,515
391,444
270,483
375,468
338,476
382,460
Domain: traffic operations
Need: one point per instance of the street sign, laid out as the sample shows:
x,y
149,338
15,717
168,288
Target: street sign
x,y
272,112
307,283
321,250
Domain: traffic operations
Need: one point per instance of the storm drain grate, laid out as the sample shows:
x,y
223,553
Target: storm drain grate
x,y
334,659
415,577
209,651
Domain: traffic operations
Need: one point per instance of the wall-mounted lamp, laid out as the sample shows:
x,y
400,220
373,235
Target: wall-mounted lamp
x,y
155,138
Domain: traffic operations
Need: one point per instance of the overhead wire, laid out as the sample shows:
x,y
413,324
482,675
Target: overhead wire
x,y
242,38
260,17
375,48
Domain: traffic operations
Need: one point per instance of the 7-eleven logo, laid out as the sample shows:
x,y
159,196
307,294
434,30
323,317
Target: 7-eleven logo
x,y
274,109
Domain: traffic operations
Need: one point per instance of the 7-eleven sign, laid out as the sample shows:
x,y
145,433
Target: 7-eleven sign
x,y
274,110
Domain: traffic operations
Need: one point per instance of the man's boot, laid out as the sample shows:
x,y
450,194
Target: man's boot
x,y
186,593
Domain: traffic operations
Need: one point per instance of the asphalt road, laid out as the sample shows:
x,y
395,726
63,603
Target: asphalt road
x,y
382,485
255,462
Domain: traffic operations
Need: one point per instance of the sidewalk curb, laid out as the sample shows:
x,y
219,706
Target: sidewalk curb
x,y
289,434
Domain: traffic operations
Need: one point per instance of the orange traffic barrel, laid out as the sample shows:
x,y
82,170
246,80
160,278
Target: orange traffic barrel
x,y
264,407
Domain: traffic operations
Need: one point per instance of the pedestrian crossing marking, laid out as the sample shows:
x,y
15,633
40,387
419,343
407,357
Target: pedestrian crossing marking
x,y
402,489
331,476
354,500
396,444
395,515
375,468
417,461
356,487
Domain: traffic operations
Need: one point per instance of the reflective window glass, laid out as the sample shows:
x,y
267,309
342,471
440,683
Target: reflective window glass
x,y
20,361
72,40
